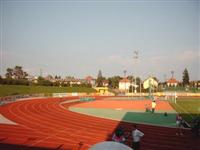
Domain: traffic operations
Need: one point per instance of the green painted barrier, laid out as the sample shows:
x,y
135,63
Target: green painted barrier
x,y
86,99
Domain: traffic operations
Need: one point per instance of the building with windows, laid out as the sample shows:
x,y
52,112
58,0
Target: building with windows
x,y
124,84
172,82
90,80
150,82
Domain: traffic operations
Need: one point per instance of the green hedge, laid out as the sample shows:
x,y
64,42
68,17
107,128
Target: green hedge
x,y
6,90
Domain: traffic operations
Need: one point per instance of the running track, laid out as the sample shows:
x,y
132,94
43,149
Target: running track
x,y
48,123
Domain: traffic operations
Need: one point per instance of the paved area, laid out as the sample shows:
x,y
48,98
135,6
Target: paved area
x,y
4,120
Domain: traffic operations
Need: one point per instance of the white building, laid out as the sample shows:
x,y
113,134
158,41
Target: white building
x,y
124,84
172,82
150,82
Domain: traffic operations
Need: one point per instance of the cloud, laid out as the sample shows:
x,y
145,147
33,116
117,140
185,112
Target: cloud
x,y
160,64
174,59
188,55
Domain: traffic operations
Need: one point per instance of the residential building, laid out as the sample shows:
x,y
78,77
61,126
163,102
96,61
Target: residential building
x,y
105,83
150,82
172,82
90,80
124,84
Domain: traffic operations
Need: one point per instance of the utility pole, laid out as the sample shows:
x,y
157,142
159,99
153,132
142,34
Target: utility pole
x,y
40,72
135,57
172,72
125,79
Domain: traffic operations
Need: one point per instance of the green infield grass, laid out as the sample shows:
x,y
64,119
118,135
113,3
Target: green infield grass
x,y
188,107
130,116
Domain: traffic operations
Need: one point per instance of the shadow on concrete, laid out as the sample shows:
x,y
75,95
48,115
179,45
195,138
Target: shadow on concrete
x,y
4,146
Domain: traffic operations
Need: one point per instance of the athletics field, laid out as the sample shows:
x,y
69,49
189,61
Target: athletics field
x,y
129,110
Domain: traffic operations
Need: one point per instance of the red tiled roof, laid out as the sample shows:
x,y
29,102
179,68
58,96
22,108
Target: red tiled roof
x,y
124,80
89,78
105,81
172,80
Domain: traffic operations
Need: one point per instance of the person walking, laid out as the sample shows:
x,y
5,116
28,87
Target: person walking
x,y
179,121
137,135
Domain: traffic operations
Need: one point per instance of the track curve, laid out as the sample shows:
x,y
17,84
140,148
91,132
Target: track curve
x,y
48,123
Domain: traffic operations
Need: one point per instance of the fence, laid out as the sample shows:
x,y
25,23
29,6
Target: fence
x,y
10,99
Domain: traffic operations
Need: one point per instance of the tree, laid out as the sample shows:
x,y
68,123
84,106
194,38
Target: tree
x,y
16,73
100,79
132,79
1,80
9,73
99,74
185,77
42,81
114,81
138,83
19,73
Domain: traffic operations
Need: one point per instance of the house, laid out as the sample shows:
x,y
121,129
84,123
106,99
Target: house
x,y
33,79
172,82
75,81
124,84
90,80
102,90
105,83
195,84
150,82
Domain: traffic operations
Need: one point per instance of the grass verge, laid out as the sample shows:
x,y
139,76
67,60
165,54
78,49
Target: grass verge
x,y
8,90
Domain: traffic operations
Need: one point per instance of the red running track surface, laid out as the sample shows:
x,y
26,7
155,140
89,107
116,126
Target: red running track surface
x,y
126,104
48,123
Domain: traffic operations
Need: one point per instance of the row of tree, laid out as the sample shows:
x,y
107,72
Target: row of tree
x,y
114,81
17,75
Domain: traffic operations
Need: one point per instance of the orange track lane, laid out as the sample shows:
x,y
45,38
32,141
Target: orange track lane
x,y
47,123
125,104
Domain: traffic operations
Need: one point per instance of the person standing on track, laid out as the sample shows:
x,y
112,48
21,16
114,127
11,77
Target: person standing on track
x,y
153,106
137,135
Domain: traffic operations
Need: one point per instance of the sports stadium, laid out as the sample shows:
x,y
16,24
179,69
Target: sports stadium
x,y
52,99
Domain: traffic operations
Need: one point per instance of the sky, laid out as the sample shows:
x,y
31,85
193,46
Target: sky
x,y
78,38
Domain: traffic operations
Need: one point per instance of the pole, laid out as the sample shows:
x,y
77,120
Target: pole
x,y
132,86
125,79
135,85
149,88
140,88
135,58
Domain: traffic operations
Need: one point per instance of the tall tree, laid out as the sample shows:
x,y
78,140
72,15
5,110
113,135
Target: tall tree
x,y
186,77
99,79
99,74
